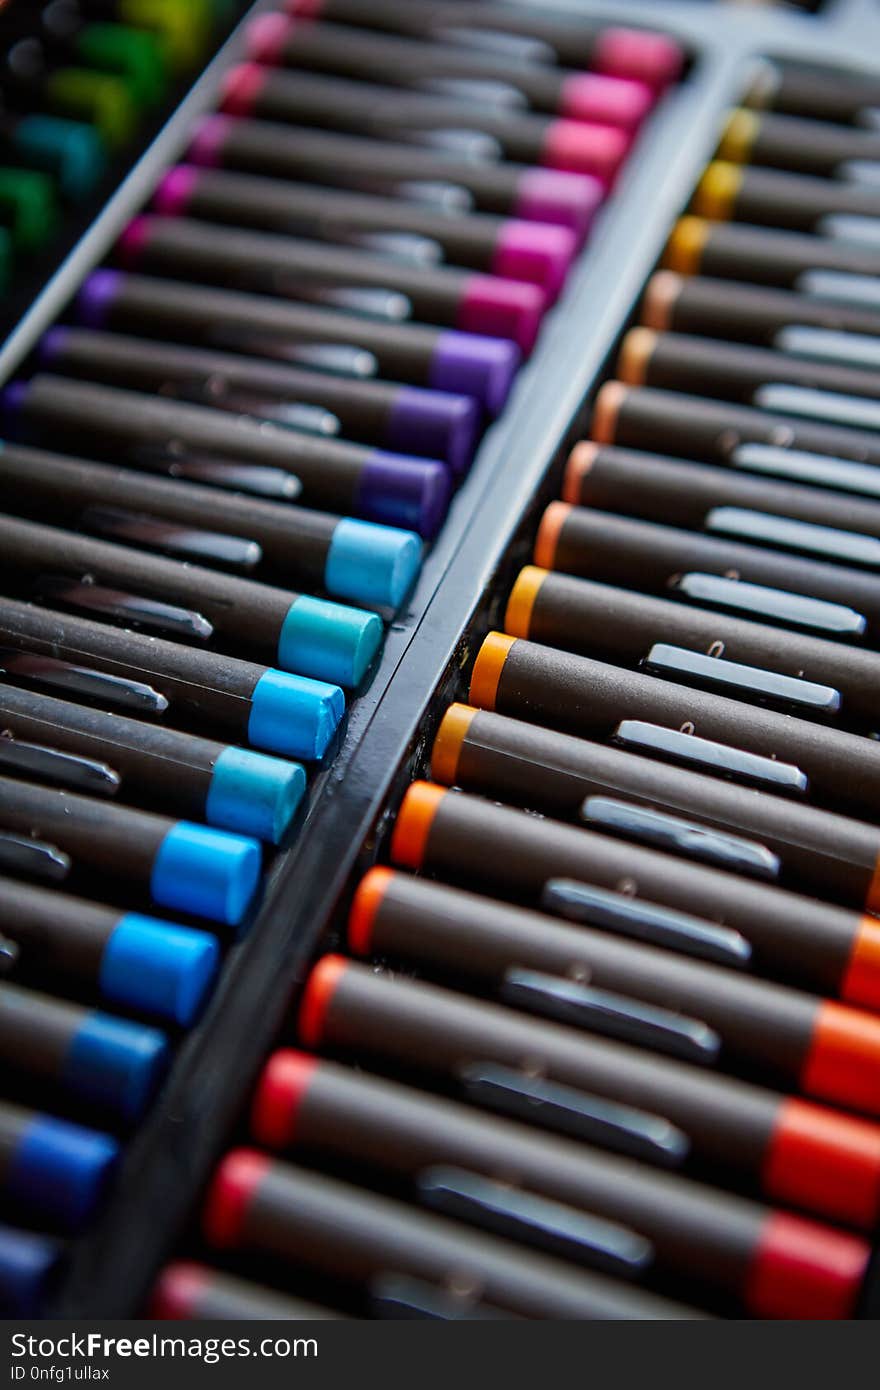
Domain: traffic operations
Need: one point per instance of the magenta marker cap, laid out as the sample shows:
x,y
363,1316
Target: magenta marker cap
x,y
502,309
566,200
475,366
539,253
175,189
638,53
206,146
596,96
581,148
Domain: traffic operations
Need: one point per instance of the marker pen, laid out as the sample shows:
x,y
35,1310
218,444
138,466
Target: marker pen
x,y
794,1151
184,31
28,208
334,103
590,699
109,421
273,1209
271,710
815,1046
71,151
289,267
763,255
27,1265
306,1104
103,100
54,1170
443,359
356,560
774,198
129,960
232,788
132,54
186,1290
181,865
447,67
432,178
818,92
327,641
512,248
110,1065
792,142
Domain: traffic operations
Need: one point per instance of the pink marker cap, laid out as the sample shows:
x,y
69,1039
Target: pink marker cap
x,y
266,37
637,53
567,200
617,101
535,251
502,309
304,9
175,189
206,146
586,149
241,87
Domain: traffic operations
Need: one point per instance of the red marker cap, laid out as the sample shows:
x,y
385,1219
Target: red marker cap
x,y
280,1091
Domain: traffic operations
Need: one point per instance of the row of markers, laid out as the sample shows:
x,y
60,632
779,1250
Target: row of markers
x,y
617,999
297,426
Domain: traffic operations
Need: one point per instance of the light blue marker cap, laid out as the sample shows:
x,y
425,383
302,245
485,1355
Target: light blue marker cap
x,y
293,715
372,564
254,794
159,968
59,1170
71,150
26,1262
207,872
328,640
116,1064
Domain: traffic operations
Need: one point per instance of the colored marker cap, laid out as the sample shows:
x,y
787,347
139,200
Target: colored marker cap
x,y
207,872
59,1170
241,88
538,252
328,641
434,424
174,190
567,200
639,54
409,842
372,564
26,1264
12,401
280,1092
293,715
71,149
132,241
266,36
579,148
134,54
317,998
475,366
597,96
235,1183
502,309
159,968
406,492
178,1291
254,794
102,99
365,905
28,197
211,134
95,299
116,1064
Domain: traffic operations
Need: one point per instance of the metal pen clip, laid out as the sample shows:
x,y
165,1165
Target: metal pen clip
x,y
765,528
473,145
475,91
32,858
764,687
83,682
445,197
798,465
254,478
216,391
404,1298
720,758
188,542
829,345
124,607
855,412
777,605
46,764
390,306
519,48
676,835
407,247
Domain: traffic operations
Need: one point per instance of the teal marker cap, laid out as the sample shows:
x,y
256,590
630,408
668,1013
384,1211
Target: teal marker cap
x,y
254,794
328,641
71,150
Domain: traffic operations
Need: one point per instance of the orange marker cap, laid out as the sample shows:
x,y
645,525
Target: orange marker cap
x,y
365,904
451,735
317,996
843,1064
861,983
659,299
580,461
518,617
635,355
549,531
409,843
488,667
606,409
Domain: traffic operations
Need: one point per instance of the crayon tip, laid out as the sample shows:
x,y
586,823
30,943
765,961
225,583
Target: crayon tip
x,y
535,251
502,309
475,366
294,716
563,199
372,564
435,425
116,1064
60,1169
159,968
328,641
254,794
407,492
206,872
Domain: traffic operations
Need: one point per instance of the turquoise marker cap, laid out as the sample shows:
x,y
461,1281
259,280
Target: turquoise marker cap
x,y
372,564
293,715
159,968
328,640
71,150
116,1064
207,872
254,794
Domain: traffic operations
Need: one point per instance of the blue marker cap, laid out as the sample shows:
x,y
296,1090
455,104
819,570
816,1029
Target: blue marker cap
x,y
71,150
207,872
475,366
294,715
158,967
372,564
59,1170
328,641
26,1262
116,1064
254,794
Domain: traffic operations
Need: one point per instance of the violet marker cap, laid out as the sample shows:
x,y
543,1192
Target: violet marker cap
x,y
477,366
552,195
206,146
596,96
52,344
435,424
95,299
536,252
412,493
502,309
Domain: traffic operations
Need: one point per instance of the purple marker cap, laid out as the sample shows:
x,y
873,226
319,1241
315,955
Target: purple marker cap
x,y
554,195
52,345
407,492
435,424
175,189
95,299
206,146
12,400
472,365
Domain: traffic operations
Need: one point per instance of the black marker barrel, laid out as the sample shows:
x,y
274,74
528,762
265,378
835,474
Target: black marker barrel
x,y
367,108
290,267
186,1290
589,543
271,710
444,359
818,1047
589,698
638,417
399,170
509,247
348,477
818,92
180,865
306,1104
763,255
130,961
685,494
774,198
356,560
791,142
745,312
510,760
584,617
744,1129
108,1064
232,788
51,1169
408,62
296,632
305,1219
